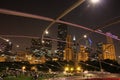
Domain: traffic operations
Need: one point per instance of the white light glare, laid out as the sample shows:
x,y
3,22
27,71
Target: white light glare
x,y
17,46
7,40
46,32
74,38
43,41
118,56
85,36
94,1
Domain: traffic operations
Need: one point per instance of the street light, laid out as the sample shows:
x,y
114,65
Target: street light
x,y
46,32
78,68
34,68
23,68
66,69
17,46
71,69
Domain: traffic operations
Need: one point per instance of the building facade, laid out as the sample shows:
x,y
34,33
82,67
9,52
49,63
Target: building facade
x,y
68,52
82,55
109,52
109,49
62,34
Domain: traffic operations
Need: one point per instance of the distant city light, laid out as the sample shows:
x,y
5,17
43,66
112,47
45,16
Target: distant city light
x,y
118,56
23,68
10,43
86,71
17,46
74,38
85,36
7,40
66,69
78,68
43,41
71,68
56,51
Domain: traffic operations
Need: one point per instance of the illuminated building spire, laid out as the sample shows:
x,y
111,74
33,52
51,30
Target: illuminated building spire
x,y
74,38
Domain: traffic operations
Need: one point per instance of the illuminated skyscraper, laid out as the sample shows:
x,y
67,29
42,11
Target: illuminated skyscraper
x,y
82,55
68,54
109,49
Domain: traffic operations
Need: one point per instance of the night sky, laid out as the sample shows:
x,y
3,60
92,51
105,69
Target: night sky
x,y
87,15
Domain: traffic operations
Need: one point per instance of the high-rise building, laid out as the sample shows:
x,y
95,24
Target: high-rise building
x,y
6,46
109,52
68,53
82,55
109,49
62,34
47,43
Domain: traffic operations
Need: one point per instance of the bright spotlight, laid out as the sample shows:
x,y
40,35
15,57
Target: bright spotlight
x,y
94,1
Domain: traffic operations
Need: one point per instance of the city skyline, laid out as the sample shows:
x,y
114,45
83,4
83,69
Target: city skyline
x,y
91,16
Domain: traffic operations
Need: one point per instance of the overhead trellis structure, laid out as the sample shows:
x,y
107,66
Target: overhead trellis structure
x,y
27,15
